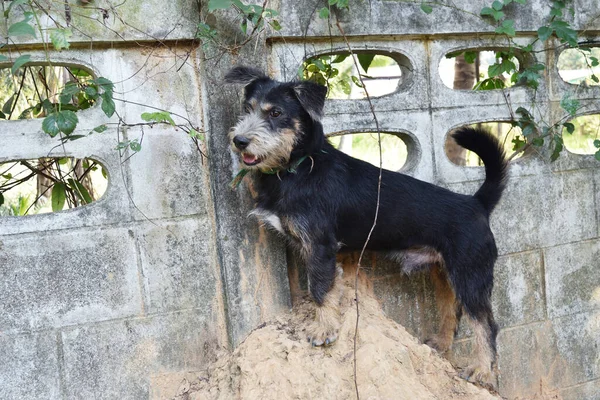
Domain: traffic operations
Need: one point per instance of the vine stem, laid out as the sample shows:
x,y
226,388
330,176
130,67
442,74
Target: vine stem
x,y
362,252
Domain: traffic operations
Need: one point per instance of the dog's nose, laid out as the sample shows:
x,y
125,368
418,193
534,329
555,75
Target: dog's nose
x,y
241,142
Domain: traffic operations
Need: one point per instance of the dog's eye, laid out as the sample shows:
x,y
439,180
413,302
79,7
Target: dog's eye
x,y
274,113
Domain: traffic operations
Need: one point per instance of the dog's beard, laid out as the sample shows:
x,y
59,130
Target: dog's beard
x,y
267,149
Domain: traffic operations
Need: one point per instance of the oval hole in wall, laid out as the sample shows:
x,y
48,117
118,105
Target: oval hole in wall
x,y
381,73
504,131
364,146
586,135
46,185
479,69
36,90
580,66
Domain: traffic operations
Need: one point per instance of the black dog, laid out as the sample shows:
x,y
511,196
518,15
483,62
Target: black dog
x,y
324,201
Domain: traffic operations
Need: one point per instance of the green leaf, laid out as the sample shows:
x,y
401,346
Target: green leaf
x,y
7,107
2,115
80,191
91,91
159,116
595,79
471,56
105,84
195,134
564,32
1,199
497,5
544,33
21,29
487,11
324,13
59,195
569,126
100,128
426,8
70,90
66,121
244,26
275,25
365,60
518,144
507,27
49,125
357,81
570,105
342,4
135,145
558,147
594,61
19,62
3,58
538,141
219,4
108,104
597,155
597,143
332,2
60,38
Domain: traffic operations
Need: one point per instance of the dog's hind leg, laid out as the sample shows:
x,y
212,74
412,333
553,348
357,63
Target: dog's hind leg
x,y
448,309
485,331
475,297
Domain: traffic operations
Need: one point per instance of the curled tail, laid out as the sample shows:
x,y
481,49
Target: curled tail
x,y
491,152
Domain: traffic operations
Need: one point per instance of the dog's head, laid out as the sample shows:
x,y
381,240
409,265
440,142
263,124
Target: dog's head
x,y
281,120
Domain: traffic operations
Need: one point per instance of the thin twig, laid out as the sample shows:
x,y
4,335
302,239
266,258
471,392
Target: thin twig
x,y
362,252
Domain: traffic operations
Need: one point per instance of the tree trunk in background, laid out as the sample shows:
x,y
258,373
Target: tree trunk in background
x,y
464,79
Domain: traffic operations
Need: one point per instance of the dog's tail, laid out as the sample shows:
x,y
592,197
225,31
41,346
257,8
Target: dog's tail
x,y
491,152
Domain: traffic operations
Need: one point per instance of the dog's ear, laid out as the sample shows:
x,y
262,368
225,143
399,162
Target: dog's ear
x,y
244,75
312,97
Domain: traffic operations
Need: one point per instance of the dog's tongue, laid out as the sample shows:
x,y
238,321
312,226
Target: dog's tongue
x,y
249,158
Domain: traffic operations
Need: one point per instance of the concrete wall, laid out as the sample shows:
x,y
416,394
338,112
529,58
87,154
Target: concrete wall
x,y
106,300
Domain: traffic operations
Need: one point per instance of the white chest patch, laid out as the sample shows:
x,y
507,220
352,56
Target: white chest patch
x,y
269,219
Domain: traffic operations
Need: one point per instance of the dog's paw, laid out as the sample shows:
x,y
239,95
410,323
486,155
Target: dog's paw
x,y
320,335
323,331
481,376
441,345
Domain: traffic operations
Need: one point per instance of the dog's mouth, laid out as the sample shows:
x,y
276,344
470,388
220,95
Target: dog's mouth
x,y
250,159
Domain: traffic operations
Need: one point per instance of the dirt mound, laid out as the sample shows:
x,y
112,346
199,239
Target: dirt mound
x,y
276,362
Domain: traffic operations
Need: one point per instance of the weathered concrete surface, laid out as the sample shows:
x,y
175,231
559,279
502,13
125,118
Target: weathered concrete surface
x,y
117,360
166,267
29,366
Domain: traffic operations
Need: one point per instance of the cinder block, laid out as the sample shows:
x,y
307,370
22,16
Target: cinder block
x,y
167,176
67,277
409,300
527,356
573,278
578,345
177,266
518,296
29,367
552,209
117,360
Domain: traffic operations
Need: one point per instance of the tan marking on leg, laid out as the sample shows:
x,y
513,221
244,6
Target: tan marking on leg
x,y
447,307
481,372
324,330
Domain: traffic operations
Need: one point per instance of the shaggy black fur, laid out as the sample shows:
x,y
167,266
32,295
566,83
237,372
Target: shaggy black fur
x,y
331,198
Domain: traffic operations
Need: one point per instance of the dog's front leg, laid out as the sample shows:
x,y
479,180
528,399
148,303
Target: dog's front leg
x,y
325,288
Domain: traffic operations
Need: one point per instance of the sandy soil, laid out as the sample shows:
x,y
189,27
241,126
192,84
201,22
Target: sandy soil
x,y
276,362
